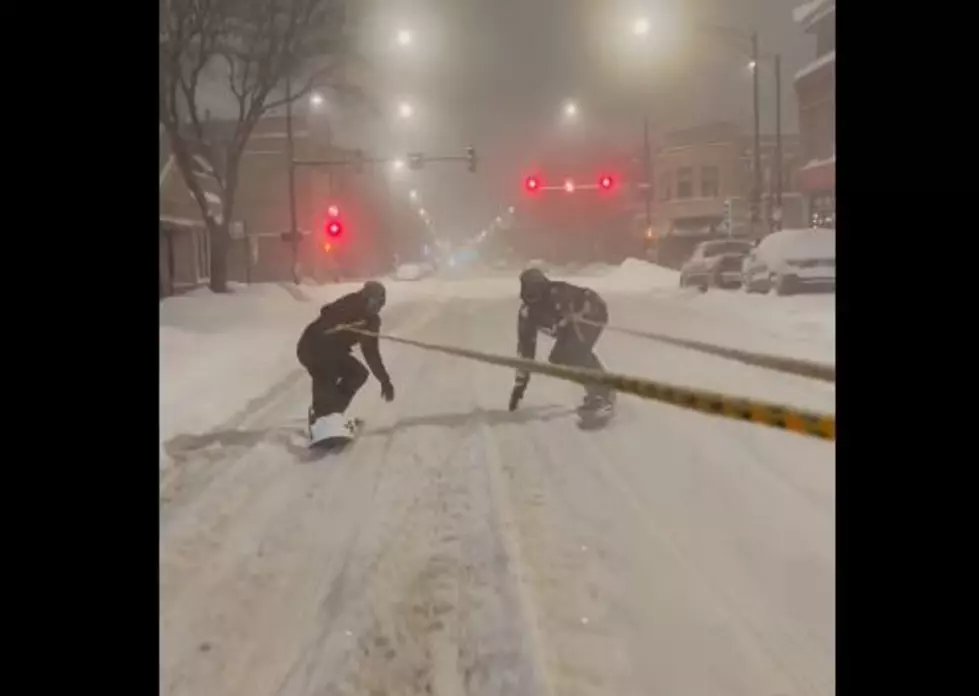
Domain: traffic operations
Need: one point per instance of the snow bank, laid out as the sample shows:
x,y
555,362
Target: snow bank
x,y
801,326
217,352
408,271
816,65
807,11
635,275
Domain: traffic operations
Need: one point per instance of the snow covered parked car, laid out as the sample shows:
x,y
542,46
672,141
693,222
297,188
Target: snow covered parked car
x,y
792,261
413,271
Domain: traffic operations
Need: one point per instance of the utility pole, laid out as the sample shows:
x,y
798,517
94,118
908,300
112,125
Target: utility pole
x,y
756,193
778,141
647,171
290,153
647,166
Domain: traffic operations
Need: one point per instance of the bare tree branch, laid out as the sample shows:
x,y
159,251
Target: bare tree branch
x,y
261,44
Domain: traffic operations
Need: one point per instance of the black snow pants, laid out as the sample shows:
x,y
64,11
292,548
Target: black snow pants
x,y
574,346
337,377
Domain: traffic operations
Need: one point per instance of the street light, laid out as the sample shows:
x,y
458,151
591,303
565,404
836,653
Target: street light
x,y
398,164
511,209
413,195
570,109
640,26
404,38
405,110
316,99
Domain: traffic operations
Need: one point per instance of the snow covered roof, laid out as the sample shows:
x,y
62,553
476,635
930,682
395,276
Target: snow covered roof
x,y
813,10
824,59
814,163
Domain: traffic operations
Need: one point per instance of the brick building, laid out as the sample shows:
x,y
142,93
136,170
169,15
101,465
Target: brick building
x,y
698,171
815,87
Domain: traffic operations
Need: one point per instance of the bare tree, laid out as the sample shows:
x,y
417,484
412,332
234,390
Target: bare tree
x,y
247,49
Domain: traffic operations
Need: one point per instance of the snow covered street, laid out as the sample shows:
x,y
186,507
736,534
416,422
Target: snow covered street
x,y
456,548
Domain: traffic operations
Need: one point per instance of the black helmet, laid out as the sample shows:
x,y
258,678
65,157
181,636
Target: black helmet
x,y
533,285
374,295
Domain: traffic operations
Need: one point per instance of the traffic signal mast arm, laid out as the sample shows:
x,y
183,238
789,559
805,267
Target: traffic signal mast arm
x,y
469,157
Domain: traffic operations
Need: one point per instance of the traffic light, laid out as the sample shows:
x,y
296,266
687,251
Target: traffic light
x,y
532,184
606,182
333,227
471,156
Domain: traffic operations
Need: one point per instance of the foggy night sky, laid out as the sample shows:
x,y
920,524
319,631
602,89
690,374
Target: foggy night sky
x,y
494,74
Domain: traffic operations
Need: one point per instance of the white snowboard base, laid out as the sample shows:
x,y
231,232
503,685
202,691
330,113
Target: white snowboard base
x,y
334,428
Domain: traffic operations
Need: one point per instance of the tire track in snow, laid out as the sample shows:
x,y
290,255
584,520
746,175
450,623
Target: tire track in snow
x,y
761,651
436,609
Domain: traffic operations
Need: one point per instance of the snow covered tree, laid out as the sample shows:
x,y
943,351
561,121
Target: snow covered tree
x,y
248,58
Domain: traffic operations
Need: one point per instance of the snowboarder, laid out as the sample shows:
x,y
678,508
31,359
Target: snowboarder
x,y
324,350
555,308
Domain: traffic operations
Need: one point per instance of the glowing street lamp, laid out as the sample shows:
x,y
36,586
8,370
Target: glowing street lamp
x,y
404,38
413,195
405,110
316,99
640,26
398,164
570,109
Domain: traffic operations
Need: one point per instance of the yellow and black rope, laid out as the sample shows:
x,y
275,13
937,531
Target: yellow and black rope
x,y
796,420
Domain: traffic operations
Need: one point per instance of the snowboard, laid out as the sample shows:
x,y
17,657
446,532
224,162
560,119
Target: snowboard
x,y
334,432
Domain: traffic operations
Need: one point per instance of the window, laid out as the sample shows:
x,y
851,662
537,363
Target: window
x,y
203,254
727,247
684,182
710,182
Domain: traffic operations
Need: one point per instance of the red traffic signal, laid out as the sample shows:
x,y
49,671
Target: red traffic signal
x,y
334,228
532,184
606,182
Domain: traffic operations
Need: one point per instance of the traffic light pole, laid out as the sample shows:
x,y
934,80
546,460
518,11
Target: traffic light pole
x,y
647,170
778,140
756,193
291,152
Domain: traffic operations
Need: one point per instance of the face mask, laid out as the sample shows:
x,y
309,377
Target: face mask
x,y
374,304
532,294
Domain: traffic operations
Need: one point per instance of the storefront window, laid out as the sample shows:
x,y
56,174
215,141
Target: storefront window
x,y
823,210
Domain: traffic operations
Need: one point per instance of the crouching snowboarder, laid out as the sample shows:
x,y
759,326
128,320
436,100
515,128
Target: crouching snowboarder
x,y
324,350
555,308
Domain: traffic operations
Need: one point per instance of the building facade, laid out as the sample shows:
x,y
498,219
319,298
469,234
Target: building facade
x,y
703,181
369,211
185,249
815,87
